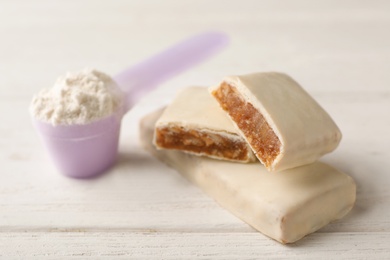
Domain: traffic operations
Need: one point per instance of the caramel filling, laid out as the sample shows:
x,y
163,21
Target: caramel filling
x,y
202,142
257,131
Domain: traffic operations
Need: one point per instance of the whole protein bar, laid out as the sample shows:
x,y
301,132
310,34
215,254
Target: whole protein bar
x,y
285,206
283,124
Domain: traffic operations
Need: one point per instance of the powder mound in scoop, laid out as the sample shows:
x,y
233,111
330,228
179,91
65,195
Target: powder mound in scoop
x,y
78,98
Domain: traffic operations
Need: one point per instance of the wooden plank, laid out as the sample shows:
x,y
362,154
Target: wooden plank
x,y
181,245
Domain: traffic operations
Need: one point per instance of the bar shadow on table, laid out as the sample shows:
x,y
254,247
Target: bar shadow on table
x,y
358,219
138,161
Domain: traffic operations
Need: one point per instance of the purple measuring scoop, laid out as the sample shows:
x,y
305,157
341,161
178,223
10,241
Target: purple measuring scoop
x,y
82,151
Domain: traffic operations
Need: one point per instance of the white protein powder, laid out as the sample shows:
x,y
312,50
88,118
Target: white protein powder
x,y
78,98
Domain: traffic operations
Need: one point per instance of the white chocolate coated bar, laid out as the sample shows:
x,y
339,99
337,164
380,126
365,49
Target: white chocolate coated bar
x,y
285,206
283,124
195,123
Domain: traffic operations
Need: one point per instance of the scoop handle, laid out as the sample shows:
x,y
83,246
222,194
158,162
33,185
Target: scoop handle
x,y
141,78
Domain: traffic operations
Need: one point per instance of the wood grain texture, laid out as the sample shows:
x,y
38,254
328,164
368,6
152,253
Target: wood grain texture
x,y
338,50
179,245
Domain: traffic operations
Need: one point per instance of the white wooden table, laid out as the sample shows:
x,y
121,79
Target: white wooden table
x,y
338,50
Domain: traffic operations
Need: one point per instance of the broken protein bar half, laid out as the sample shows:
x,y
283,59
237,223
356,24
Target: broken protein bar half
x,y
283,124
194,123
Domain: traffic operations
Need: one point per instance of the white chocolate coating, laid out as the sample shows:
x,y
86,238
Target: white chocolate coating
x,y
285,206
305,130
194,108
